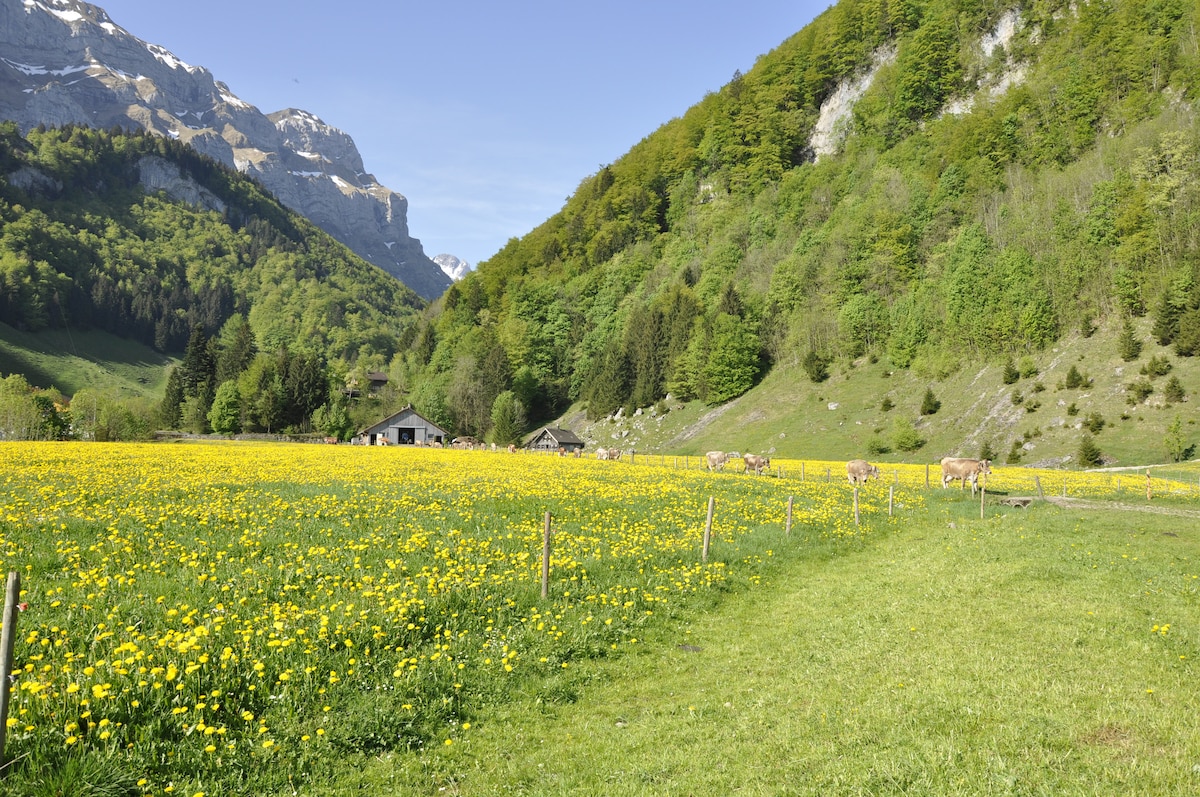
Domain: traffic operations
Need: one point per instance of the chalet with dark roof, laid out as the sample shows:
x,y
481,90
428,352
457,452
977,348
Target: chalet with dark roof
x,y
549,438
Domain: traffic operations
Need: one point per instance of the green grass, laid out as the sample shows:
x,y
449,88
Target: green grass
x,y
72,361
790,416
1015,655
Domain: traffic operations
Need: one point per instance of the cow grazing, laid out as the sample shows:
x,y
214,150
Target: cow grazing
x,y
966,470
611,454
859,470
716,460
756,463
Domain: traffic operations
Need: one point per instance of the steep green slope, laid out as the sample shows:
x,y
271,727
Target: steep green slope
x,y
993,195
85,246
94,360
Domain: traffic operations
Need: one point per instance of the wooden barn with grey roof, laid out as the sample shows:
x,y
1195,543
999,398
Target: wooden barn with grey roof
x,y
404,428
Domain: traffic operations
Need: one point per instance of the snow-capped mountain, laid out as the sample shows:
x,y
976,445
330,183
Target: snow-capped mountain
x,y
66,62
454,268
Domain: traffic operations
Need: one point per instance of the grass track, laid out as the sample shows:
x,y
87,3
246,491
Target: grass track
x,y
1012,656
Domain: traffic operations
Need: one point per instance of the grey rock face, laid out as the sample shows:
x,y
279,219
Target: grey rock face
x,y
66,62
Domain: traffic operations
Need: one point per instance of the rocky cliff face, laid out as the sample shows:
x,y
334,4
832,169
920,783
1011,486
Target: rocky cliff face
x,y
66,62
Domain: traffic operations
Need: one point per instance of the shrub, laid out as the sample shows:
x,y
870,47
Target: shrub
x,y
1027,367
1014,453
816,367
1178,448
1010,374
877,445
905,437
1017,398
1139,391
1075,380
1173,390
986,451
886,405
930,404
1089,452
1094,422
1072,410
1128,346
1156,366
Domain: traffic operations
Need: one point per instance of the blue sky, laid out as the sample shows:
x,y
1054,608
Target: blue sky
x,y
486,116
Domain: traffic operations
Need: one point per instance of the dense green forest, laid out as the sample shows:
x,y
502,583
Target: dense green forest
x,y
253,295
719,247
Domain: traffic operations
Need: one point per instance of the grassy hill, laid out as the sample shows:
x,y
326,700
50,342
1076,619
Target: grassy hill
x,y
71,361
1007,177
790,416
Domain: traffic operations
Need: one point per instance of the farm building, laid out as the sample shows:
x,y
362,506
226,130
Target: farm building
x,y
550,439
405,428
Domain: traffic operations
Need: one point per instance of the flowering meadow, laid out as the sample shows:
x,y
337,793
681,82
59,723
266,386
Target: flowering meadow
x,y
223,618
229,617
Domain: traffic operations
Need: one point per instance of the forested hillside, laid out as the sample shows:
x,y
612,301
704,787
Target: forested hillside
x,y
221,273
997,186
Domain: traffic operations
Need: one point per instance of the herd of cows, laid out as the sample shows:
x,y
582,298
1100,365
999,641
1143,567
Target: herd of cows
x,y
858,471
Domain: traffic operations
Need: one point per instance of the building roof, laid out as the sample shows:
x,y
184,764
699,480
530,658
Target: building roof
x,y
560,436
408,410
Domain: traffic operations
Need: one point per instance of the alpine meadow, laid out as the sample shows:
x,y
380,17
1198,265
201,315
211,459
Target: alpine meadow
x,y
915,230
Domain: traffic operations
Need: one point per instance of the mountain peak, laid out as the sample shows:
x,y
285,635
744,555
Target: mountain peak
x,y
66,62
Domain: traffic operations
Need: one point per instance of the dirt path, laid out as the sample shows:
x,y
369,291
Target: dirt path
x,y
1084,503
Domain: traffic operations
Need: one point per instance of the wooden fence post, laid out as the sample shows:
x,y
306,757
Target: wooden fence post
x,y
1148,496
982,491
1038,484
546,557
787,529
856,504
7,640
801,471
891,496
926,475
896,476
827,475
708,529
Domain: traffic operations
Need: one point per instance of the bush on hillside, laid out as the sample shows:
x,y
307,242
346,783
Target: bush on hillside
x,y
1128,345
1089,452
930,404
1010,374
816,367
1173,391
905,437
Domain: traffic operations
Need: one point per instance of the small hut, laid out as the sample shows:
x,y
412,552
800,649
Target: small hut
x,y
406,427
550,439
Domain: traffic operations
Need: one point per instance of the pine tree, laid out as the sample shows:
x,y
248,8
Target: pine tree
x,y
1128,346
1089,452
1011,374
930,404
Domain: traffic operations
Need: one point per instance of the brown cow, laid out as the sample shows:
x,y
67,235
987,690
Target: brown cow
x,y
716,460
965,469
757,463
859,470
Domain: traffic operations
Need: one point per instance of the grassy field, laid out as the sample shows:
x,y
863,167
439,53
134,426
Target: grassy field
x,y
788,415
72,361
319,620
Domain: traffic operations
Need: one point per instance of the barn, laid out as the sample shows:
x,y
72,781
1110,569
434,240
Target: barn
x,y
406,427
550,439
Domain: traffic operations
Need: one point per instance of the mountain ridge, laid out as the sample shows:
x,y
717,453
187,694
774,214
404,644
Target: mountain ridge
x,y
66,62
